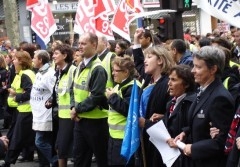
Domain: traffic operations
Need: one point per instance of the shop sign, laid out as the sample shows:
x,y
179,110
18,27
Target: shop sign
x,y
64,7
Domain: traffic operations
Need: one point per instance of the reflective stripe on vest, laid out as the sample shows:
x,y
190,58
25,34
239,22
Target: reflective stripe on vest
x,y
16,85
81,90
231,64
64,86
225,82
106,63
117,121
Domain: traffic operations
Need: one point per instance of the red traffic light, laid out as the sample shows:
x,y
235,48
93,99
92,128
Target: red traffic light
x,y
161,20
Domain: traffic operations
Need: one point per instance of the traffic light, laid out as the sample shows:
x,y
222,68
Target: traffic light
x,y
184,5
165,28
179,5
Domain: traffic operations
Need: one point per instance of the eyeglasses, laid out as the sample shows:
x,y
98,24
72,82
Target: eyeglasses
x,y
114,70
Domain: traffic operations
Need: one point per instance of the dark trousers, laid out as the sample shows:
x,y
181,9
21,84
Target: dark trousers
x,y
14,113
91,137
22,136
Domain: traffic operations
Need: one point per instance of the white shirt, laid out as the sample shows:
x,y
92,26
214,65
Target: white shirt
x,y
41,91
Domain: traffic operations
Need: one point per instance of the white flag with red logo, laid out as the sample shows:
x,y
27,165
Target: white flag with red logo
x,y
92,16
84,19
42,21
126,12
102,11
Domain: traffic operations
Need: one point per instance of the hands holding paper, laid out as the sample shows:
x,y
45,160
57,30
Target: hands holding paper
x,y
186,148
171,143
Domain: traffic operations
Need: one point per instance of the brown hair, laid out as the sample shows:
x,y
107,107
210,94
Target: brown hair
x,y
25,59
184,72
125,62
2,61
163,54
65,49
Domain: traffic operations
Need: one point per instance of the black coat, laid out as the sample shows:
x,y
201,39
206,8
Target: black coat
x,y
3,90
156,104
178,120
216,105
179,117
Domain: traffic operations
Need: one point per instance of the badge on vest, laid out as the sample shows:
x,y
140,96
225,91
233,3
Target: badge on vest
x,y
83,83
201,115
64,88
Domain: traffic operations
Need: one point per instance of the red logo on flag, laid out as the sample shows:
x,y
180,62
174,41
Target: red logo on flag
x,y
125,14
42,21
93,17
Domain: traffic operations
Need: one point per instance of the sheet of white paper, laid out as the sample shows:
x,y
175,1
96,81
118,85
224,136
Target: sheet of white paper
x,y
159,136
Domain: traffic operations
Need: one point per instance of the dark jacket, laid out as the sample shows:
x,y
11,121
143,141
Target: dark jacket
x,y
3,90
11,75
187,59
178,120
216,105
156,104
179,117
2,149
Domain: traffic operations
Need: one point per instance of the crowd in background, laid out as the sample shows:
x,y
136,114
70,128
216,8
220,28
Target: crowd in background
x,y
72,101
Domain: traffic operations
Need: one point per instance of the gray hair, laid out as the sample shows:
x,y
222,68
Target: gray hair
x,y
212,56
103,39
44,55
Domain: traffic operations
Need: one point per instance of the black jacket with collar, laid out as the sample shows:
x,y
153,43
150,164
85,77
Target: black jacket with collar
x,y
216,105
179,117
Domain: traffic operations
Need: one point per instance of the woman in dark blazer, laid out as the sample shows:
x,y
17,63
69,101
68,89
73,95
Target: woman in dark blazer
x,y
214,106
154,69
181,88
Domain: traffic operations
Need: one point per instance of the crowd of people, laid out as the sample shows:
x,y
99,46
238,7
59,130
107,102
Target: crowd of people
x,y
68,102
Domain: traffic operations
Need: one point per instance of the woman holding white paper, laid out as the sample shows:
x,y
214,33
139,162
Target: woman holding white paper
x,y
215,104
181,88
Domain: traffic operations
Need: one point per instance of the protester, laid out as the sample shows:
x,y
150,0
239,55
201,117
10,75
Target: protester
x,y
118,100
213,106
111,45
121,47
19,96
181,88
236,49
91,128
154,70
28,151
3,86
42,117
180,53
187,35
61,101
146,40
77,58
11,112
233,157
6,46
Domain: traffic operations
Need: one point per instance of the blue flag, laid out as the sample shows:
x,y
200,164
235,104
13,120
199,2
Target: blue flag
x,y
131,140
